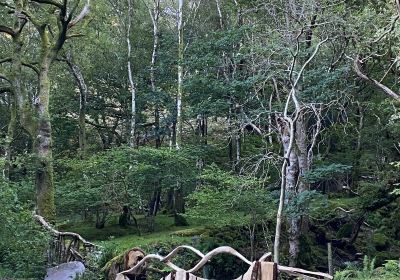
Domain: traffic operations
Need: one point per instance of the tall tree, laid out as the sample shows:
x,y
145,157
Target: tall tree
x,y
155,15
132,86
179,120
15,89
83,93
50,45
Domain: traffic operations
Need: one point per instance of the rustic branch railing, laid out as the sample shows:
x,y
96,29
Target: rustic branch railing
x,y
258,270
66,246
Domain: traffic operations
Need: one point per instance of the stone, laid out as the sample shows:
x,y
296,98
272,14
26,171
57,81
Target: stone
x,y
65,271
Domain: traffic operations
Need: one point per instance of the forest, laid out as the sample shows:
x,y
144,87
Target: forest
x,y
263,125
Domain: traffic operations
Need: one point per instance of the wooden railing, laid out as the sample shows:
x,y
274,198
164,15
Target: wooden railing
x,y
65,246
258,270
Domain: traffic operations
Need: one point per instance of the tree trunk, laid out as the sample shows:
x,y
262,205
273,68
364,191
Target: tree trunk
x,y
83,93
132,86
287,129
15,79
154,18
16,84
43,145
292,172
297,223
179,121
10,136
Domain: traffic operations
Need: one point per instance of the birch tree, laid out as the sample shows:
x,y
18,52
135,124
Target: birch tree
x,y
83,93
296,161
155,14
132,86
179,121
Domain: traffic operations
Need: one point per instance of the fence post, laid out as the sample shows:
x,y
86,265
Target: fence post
x,y
330,267
269,271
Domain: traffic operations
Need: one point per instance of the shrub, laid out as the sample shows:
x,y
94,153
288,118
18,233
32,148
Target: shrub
x,y
23,242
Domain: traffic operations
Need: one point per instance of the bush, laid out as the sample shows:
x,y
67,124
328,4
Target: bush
x,y
389,271
23,242
380,241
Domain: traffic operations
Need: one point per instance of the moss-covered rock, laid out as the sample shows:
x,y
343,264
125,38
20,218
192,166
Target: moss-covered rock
x,y
380,241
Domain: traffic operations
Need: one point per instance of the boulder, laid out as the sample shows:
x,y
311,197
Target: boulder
x,y
65,271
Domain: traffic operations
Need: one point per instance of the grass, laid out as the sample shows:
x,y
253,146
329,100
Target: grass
x,y
145,241
124,238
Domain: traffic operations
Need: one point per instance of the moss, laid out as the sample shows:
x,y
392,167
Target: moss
x,y
189,232
118,259
380,241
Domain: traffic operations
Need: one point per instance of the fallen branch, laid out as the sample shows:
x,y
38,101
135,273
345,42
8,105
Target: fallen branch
x,y
377,84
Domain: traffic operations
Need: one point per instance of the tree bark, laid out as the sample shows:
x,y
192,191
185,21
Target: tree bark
x,y
290,166
16,85
179,121
43,142
132,86
297,223
83,93
10,136
155,14
292,172
287,129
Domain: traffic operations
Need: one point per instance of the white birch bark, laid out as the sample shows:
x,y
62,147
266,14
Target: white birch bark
x,y
83,92
132,86
155,14
290,166
179,124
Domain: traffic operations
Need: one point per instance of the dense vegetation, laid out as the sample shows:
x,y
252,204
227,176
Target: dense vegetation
x,y
263,125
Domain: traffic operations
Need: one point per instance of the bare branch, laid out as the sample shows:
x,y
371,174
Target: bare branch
x,y
4,77
7,30
74,36
31,66
358,68
85,11
4,60
49,2
26,64
5,89
308,61
7,5
390,29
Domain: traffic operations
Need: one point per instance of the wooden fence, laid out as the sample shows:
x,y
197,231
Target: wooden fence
x,y
65,246
262,269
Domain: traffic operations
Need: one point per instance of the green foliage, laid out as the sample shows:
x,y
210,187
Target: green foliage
x,y
299,205
23,242
122,176
237,62
326,172
380,241
228,199
389,271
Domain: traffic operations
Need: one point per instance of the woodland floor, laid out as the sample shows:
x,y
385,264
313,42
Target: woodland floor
x,y
126,238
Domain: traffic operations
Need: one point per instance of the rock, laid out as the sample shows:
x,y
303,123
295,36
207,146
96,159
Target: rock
x,y
65,271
